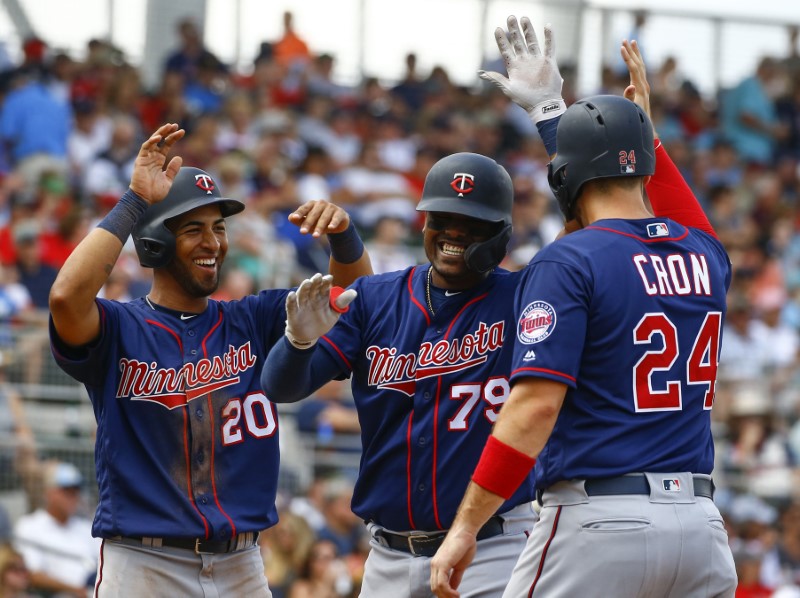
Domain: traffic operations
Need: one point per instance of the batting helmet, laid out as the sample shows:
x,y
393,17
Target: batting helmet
x,y
475,186
191,188
599,137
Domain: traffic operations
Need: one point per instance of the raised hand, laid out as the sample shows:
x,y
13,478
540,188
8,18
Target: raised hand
x,y
639,89
320,217
150,180
534,81
313,309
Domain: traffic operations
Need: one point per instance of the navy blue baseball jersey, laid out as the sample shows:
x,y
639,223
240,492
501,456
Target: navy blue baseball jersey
x,y
425,387
645,294
181,417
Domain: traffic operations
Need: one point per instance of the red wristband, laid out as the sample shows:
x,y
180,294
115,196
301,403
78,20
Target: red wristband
x,y
334,295
501,468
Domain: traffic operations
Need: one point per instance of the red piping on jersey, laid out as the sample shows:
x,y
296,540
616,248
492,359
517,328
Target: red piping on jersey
x,y
544,371
544,552
637,237
100,569
170,330
408,471
414,300
189,492
339,351
213,440
435,453
436,413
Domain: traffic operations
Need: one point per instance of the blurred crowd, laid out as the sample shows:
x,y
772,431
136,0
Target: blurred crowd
x,y
285,130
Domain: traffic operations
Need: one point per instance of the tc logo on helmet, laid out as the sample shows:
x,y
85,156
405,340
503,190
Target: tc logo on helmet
x,y
204,182
463,183
537,322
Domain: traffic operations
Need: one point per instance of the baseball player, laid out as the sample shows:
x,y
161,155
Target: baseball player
x,y
428,349
429,353
616,350
187,443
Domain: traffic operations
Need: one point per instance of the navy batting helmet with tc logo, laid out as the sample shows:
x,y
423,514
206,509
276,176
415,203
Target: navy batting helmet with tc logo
x,y
192,188
475,186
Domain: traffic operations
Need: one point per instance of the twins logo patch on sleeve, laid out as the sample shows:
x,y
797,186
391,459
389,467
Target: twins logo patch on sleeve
x,y
537,322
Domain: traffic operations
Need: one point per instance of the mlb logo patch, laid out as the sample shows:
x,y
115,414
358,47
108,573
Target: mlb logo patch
x,y
671,485
657,229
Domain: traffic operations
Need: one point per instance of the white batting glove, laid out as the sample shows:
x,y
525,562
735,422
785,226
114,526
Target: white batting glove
x,y
313,309
533,81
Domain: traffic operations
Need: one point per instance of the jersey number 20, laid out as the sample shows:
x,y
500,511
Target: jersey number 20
x,y
701,364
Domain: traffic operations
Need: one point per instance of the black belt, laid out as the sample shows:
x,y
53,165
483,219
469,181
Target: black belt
x,y
198,545
427,544
638,484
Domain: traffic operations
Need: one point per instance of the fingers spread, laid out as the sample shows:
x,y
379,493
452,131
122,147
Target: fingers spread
x,y
530,37
515,35
495,78
549,41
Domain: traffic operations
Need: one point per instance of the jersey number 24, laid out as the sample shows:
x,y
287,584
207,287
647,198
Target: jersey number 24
x,y
699,367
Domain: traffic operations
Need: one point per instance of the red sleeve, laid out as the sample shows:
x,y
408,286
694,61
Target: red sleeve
x,y
671,197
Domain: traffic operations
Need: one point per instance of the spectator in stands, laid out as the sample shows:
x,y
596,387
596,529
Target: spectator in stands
x,y
15,579
108,172
290,48
376,190
191,53
388,248
342,527
91,135
55,541
410,89
34,274
34,128
749,118
782,562
323,575
285,548
329,411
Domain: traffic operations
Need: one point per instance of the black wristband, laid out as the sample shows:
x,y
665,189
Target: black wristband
x,y
346,247
123,216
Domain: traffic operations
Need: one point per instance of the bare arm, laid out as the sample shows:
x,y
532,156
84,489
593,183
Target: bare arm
x,y
525,423
321,217
72,296
669,194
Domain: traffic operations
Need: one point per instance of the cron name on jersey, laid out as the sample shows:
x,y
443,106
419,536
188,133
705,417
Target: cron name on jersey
x,y
170,387
676,274
400,371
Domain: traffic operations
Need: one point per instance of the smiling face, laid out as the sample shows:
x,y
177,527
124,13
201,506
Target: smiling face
x,y
446,238
201,243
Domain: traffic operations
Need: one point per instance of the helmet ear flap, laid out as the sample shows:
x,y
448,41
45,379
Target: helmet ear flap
x,y
484,256
557,178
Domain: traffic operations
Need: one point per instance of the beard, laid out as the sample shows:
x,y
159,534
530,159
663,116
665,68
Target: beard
x,y
193,287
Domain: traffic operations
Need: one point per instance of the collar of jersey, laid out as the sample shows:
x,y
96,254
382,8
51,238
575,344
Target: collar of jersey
x,y
183,316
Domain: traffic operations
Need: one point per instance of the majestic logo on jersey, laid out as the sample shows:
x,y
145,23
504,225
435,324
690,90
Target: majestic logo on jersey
x,y
537,322
657,229
141,381
463,183
204,182
388,369
672,485
529,355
